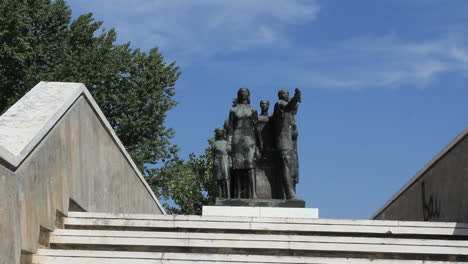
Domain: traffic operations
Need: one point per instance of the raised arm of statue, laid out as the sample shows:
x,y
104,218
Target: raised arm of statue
x,y
289,105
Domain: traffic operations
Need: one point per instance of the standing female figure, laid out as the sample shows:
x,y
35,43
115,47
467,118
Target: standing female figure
x,y
243,136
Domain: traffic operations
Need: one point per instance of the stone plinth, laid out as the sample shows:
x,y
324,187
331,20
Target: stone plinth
x,y
261,203
229,211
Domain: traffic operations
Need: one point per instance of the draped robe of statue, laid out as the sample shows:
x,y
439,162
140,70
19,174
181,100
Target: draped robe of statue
x,y
242,120
243,136
267,164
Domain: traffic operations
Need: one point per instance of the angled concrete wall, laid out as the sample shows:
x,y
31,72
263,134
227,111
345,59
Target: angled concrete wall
x,y
438,192
9,218
55,147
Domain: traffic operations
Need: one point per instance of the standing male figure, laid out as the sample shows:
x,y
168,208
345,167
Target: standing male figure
x,y
284,126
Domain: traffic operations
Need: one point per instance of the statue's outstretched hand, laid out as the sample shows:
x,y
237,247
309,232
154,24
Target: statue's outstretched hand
x,y
297,94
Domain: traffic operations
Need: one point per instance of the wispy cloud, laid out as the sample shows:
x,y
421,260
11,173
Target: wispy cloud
x,y
202,28
389,61
385,61
228,36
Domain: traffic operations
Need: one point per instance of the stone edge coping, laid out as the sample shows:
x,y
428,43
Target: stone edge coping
x,y
63,234
28,121
381,245
207,226
14,157
273,220
236,258
422,171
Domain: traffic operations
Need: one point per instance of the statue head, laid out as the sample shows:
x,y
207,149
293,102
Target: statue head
x,y
243,96
283,94
219,133
264,105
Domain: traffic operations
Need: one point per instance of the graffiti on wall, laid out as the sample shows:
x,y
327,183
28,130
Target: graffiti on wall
x,y
430,205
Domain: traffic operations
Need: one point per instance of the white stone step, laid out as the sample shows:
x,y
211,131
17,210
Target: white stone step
x,y
254,224
144,239
47,256
251,242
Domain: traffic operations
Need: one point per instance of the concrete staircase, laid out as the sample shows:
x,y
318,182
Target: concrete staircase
x,y
109,238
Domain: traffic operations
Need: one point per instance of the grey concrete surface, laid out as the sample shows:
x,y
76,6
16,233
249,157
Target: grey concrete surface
x,y
69,154
77,160
438,192
10,246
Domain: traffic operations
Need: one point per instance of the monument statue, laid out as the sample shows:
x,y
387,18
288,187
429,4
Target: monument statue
x,y
283,123
255,156
221,164
226,122
266,165
266,136
295,160
244,140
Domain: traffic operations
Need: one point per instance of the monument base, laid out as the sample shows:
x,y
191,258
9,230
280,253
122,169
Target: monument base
x,y
230,211
261,203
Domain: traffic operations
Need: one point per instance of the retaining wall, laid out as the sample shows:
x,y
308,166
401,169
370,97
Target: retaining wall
x,y
438,192
58,152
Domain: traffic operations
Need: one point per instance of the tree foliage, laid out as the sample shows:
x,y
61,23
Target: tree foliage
x,y
185,186
40,42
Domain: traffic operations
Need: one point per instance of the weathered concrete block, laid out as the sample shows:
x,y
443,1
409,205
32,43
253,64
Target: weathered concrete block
x,y
10,243
56,146
437,192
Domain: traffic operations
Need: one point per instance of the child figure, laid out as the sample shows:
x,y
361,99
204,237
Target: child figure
x,y
221,164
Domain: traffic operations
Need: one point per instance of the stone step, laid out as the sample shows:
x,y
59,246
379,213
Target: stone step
x,y
251,243
122,238
47,256
77,220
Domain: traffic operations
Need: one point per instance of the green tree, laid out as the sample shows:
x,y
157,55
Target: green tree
x,y
185,186
134,89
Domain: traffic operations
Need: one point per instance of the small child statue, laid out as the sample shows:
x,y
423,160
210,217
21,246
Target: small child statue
x,y
221,164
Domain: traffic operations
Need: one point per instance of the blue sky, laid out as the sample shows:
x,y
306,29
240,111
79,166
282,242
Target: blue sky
x,y
384,83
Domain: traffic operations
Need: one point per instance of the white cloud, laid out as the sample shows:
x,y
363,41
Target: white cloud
x,y
391,61
365,62
209,31
188,28
460,54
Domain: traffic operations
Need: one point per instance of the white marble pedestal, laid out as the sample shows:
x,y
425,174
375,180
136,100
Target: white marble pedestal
x,y
260,211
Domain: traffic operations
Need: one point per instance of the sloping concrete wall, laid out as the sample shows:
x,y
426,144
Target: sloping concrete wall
x,y
439,192
9,218
65,150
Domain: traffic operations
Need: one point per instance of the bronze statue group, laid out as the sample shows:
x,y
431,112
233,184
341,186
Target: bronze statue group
x,y
255,157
